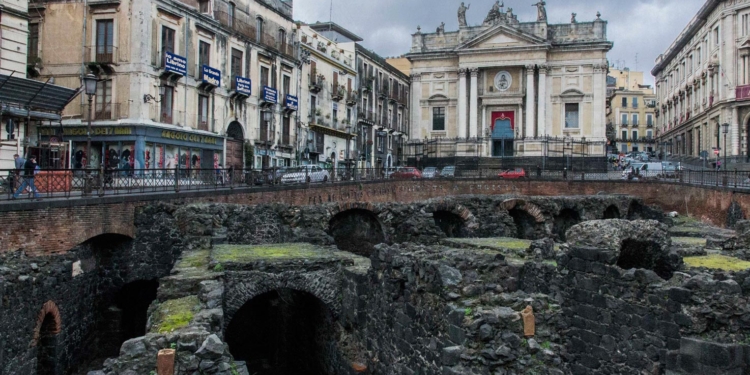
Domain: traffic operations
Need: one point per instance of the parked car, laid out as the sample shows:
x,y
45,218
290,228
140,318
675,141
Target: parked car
x,y
513,174
406,173
448,171
305,173
430,172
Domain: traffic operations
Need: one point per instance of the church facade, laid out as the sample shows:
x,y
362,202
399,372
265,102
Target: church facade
x,y
505,88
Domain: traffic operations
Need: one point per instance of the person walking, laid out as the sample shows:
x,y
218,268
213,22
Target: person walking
x,y
718,165
29,169
15,177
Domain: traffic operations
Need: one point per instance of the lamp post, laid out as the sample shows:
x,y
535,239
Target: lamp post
x,y
725,130
89,83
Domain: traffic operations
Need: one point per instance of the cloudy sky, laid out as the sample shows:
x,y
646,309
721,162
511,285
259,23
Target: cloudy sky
x,y
642,27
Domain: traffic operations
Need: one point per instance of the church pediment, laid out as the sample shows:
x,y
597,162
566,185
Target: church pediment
x,y
502,36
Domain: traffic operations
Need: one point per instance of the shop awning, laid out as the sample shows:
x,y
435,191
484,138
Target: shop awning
x,y
22,97
330,131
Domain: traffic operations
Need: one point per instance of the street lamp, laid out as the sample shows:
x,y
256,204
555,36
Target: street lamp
x,y
725,130
89,83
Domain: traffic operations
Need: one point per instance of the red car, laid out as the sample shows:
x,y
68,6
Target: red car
x,y
406,173
513,173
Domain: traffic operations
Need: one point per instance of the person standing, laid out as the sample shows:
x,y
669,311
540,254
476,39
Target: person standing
x,y
29,169
15,178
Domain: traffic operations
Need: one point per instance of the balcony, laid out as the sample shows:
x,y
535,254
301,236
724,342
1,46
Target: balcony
x,y
235,24
103,112
351,98
366,115
743,93
337,93
316,83
367,85
101,57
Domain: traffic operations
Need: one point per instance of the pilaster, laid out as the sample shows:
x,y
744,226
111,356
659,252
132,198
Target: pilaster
x,y
529,112
461,103
542,129
473,103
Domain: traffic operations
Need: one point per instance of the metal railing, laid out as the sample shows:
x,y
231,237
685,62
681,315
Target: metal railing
x,y
102,54
66,184
103,111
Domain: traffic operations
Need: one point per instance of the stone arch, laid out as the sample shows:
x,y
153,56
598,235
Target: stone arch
x,y
449,214
521,204
612,212
356,228
564,220
49,308
299,334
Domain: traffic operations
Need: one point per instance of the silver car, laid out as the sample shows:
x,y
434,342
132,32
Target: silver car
x,y
430,172
306,173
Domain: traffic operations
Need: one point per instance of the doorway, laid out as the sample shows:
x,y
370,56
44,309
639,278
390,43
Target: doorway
x,y
502,138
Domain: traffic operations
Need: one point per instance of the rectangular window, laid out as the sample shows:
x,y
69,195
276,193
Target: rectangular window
x,y
571,115
624,119
104,41
202,112
286,83
624,102
624,135
698,59
335,118
650,120
263,76
635,119
236,66
204,56
745,24
230,18
649,135
286,130
167,43
33,44
166,105
103,102
716,37
635,102
438,118
635,135
203,6
313,109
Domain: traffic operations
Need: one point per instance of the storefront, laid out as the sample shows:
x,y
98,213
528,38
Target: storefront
x,y
139,147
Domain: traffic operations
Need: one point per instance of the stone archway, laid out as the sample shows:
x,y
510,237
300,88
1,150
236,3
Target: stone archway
x,y
284,332
357,230
46,333
527,217
612,212
454,219
235,146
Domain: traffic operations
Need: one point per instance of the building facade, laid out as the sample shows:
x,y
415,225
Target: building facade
x,y
507,85
631,112
703,82
189,83
328,96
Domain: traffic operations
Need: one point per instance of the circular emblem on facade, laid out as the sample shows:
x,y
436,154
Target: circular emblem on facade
x,y
503,81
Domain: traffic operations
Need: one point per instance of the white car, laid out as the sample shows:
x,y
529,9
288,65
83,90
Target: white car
x,y
305,173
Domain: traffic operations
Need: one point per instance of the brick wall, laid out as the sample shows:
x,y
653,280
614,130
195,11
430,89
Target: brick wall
x,y
56,226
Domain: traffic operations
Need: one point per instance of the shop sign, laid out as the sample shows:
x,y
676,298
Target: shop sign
x,y
244,85
187,137
321,158
212,76
263,152
270,94
292,103
175,64
81,132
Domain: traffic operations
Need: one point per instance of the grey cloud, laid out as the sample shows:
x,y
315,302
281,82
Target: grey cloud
x,y
643,27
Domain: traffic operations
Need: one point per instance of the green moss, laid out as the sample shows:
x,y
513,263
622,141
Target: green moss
x,y
495,243
468,311
717,262
546,345
175,314
692,241
195,259
247,253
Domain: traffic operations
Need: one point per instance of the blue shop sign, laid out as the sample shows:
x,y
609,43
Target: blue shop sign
x,y
175,64
292,102
270,94
243,85
212,76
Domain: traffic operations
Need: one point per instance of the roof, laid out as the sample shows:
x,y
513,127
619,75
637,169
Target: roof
x,y
381,61
34,95
685,36
333,26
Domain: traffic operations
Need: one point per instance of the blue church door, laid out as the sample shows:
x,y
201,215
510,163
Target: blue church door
x,y
502,139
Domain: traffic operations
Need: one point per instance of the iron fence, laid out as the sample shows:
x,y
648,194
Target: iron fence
x,y
106,182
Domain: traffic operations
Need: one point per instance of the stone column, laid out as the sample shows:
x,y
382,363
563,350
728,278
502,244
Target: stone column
x,y
461,103
529,112
415,120
473,103
542,102
735,123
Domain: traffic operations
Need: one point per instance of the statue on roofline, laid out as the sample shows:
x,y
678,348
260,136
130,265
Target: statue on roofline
x,y
462,14
541,12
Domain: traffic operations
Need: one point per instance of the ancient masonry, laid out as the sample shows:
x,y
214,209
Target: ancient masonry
x,y
465,285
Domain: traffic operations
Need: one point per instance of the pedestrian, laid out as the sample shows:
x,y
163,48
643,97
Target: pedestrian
x,y
29,169
718,165
15,177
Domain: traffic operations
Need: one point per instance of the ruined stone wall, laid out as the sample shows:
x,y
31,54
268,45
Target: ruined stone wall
x,y
627,321
81,283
